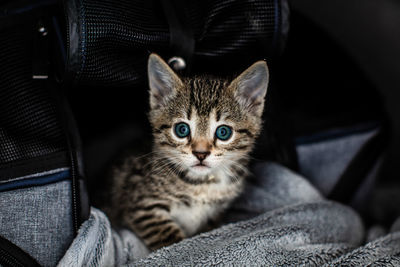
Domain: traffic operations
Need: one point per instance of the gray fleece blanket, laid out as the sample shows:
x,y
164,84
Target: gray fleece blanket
x,y
280,220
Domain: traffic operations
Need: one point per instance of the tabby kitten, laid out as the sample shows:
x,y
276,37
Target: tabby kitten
x,y
203,129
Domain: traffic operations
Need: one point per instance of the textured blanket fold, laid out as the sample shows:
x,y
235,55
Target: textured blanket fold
x,y
292,235
280,220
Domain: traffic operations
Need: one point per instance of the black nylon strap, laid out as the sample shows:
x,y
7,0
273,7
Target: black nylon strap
x,y
12,255
182,41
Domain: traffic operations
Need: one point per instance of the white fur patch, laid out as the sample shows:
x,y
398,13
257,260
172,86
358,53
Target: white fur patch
x,y
192,218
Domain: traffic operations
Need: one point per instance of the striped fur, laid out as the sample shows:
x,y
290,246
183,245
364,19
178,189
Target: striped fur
x,y
166,195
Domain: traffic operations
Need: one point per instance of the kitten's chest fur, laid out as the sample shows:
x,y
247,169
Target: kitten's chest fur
x,y
190,206
206,205
194,218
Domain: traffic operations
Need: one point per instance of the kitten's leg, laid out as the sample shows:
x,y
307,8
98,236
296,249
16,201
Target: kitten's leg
x,y
155,227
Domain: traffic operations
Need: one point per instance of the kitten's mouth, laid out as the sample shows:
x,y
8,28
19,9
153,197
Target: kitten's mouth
x,y
200,165
200,168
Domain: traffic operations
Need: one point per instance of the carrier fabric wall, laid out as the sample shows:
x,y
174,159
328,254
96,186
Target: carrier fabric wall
x,y
36,156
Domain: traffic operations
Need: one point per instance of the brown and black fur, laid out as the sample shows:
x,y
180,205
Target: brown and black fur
x,y
160,196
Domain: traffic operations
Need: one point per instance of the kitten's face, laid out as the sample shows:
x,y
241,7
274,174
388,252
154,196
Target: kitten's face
x,y
202,144
203,126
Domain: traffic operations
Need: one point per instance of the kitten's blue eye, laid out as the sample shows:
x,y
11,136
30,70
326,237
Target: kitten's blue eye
x,y
223,132
182,130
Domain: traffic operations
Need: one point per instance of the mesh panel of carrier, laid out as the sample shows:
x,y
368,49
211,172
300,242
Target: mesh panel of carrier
x,y
109,41
29,127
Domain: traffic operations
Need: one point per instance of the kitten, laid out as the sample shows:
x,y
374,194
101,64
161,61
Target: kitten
x,y
203,129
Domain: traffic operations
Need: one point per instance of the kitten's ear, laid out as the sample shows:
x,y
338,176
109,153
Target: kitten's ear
x,y
251,87
162,81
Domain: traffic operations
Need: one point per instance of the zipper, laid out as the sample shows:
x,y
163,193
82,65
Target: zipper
x,y
75,190
74,178
67,28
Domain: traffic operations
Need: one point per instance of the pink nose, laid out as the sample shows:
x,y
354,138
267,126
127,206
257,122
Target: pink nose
x,y
201,155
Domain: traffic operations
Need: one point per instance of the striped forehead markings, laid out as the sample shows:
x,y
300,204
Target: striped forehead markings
x,y
218,115
204,95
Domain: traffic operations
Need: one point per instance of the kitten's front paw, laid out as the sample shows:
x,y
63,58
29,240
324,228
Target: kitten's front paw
x,y
164,236
155,230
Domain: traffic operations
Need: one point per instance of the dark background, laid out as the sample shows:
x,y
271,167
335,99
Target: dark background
x,y
367,31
